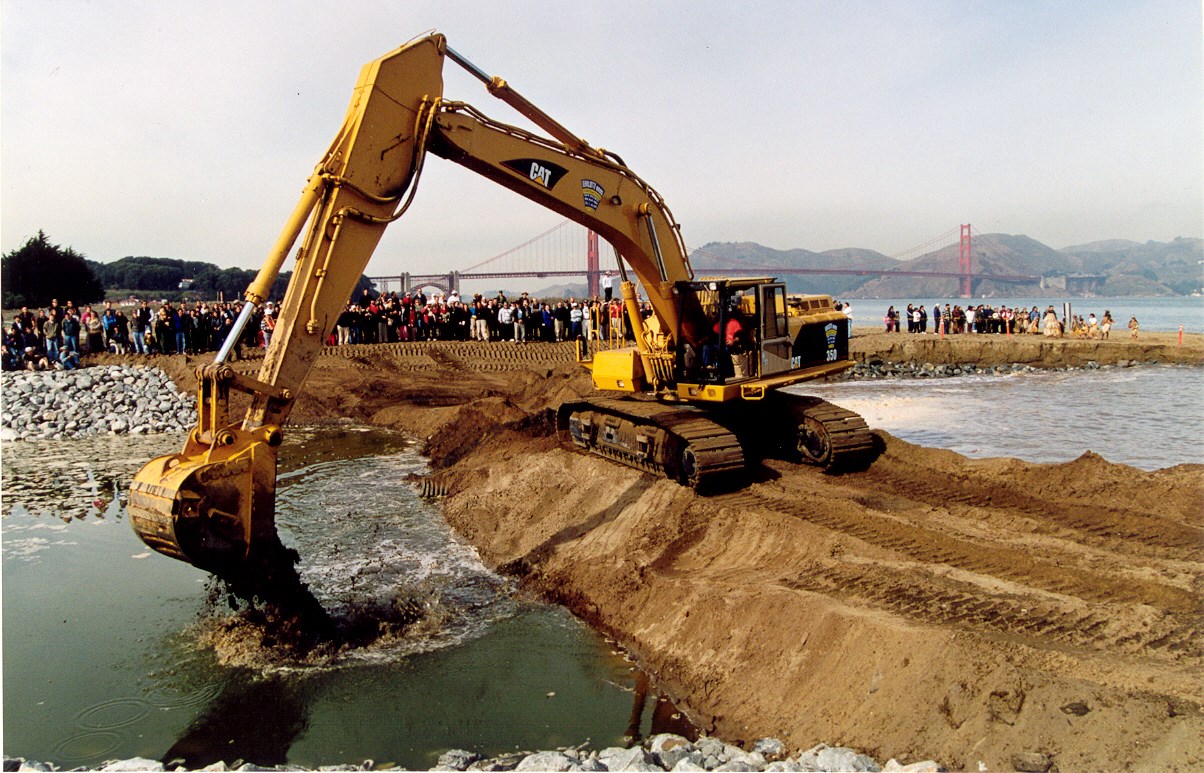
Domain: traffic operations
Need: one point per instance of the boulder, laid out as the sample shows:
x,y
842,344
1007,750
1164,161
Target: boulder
x,y
456,759
669,758
665,741
557,762
770,748
635,758
824,757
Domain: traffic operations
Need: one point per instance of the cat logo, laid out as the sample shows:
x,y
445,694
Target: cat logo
x,y
543,173
540,174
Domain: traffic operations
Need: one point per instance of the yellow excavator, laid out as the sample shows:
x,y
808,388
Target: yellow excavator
x,y
714,353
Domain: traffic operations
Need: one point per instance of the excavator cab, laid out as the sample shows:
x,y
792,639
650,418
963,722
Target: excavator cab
x,y
719,333
742,330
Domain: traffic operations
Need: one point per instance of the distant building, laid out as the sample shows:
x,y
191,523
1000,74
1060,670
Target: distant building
x,y
1074,283
185,284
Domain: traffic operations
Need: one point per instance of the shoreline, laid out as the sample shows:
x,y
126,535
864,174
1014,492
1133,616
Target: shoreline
x,y
869,344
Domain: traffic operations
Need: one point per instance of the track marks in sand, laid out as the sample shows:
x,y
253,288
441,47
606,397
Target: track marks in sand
x,y
1001,589
1112,526
921,596
926,545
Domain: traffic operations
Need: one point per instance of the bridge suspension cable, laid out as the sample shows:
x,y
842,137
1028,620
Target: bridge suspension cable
x,y
563,224
932,245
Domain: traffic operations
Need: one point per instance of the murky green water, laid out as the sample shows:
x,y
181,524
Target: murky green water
x,y
102,653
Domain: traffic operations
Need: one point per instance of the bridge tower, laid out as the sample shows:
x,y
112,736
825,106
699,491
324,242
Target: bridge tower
x,y
963,264
592,274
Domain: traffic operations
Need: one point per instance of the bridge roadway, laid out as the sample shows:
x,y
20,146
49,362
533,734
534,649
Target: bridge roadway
x,y
448,282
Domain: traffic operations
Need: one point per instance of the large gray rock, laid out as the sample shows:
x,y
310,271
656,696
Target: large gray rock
x,y
665,741
770,748
825,758
456,759
635,758
710,747
134,764
557,762
668,758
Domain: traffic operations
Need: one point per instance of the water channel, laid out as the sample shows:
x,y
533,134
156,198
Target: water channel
x,y
108,646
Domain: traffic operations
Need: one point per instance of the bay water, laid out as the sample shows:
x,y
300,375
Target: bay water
x,y
1146,416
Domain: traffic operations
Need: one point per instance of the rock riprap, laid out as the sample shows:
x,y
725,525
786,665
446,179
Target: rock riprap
x,y
101,400
664,752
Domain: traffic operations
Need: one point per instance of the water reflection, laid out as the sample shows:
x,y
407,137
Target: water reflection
x,y
664,717
254,718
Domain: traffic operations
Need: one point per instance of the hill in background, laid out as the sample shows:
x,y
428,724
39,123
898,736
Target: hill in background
x,y
1106,268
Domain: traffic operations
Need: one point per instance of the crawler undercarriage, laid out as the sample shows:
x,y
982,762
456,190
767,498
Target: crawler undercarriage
x,y
708,449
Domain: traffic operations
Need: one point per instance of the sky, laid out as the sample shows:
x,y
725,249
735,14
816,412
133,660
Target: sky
x,y
186,130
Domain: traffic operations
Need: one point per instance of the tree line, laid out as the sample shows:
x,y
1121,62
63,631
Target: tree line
x,y
40,270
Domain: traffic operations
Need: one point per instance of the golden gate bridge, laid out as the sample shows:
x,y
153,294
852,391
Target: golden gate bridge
x,y
572,250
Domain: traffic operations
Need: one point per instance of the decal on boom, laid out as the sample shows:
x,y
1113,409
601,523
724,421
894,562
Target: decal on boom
x,y
592,192
541,172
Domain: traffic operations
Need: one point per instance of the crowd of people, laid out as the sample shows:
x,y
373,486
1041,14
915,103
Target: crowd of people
x,y
394,317
60,333
984,318
57,335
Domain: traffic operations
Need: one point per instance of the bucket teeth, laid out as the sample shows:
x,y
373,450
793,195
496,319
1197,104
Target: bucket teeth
x,y
150,512
211,514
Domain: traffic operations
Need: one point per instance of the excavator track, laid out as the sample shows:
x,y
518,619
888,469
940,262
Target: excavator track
x,y
677,442
832,437
708,449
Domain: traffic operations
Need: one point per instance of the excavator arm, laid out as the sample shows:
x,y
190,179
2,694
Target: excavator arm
x,y
213,504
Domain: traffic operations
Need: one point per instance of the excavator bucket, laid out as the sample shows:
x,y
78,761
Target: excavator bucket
x,y
213,510
213,504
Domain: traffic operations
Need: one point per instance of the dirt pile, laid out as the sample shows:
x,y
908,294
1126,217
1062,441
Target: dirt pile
x,y
932,606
